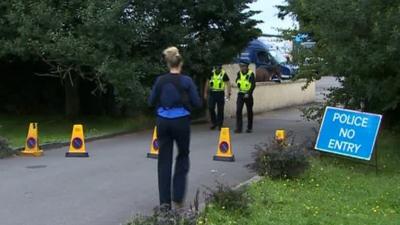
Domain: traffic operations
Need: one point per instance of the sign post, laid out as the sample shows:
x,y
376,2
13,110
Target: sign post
x,y
349,133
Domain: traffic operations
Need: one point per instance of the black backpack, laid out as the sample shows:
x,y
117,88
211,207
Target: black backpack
x,y
176,81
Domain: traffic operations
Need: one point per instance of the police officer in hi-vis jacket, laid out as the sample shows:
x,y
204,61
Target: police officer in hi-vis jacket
x,y
246,84
214,91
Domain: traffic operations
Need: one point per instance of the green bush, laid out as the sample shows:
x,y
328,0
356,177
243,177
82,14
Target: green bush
x,y
227,198
171,217
280,160
163,216
223,197
5,149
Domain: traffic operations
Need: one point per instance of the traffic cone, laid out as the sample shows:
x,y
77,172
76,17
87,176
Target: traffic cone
x,y
280,135
224,151
32,142
77,146
154,147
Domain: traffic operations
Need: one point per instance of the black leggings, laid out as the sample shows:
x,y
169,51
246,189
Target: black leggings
x,y
170,130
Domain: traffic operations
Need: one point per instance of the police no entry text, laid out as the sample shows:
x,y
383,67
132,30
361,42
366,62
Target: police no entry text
x,y
351,120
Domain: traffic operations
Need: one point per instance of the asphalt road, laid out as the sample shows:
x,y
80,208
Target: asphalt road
x,y
323,85
118,181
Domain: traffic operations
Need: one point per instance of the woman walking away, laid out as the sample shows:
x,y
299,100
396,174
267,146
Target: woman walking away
x,y
173,94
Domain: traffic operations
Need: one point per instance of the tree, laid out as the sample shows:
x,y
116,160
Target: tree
x,y
358,41
76,39
119,42
208,32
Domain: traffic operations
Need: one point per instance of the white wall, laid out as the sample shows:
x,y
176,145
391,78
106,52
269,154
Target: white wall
x,y
269,95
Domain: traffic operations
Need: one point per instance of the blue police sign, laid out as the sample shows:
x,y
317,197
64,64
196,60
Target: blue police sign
x,y
349,133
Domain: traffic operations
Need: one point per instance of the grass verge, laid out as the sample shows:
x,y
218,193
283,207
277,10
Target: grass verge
x,y
53,129
333,191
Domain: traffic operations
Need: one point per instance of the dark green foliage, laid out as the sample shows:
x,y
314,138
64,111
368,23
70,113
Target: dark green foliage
x,y
120,42
166,218
5,149
225,197
358,41
280,160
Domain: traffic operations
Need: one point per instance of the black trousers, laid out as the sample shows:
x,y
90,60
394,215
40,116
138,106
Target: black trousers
x,y
241,100
170,130
216,99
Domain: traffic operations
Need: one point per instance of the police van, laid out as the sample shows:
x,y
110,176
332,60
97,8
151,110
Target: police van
x,y
271,65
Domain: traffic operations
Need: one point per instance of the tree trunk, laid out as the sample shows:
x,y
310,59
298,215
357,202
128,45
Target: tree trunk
x,y
72,100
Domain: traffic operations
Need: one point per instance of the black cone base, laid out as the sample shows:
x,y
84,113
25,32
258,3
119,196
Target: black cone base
x,y
77,155
152,156
225,159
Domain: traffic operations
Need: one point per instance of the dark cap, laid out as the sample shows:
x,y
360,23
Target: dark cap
x,y
244,62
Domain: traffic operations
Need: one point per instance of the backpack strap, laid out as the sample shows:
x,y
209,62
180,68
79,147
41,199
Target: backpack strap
x,y
185,101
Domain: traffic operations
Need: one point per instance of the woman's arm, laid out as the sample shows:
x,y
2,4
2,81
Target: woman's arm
x,y
155,92
195,100
206,89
